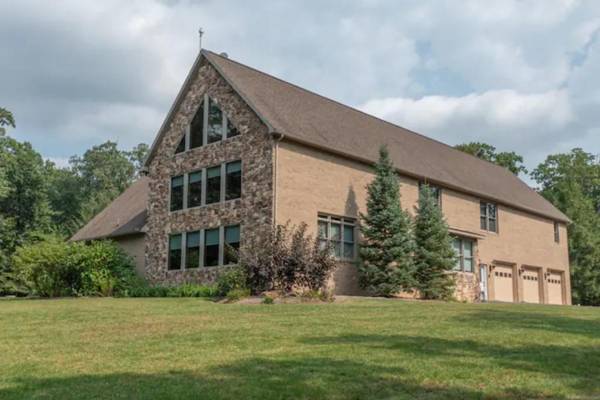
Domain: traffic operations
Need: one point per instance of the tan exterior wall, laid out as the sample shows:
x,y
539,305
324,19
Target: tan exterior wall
x,y
310,181
135,247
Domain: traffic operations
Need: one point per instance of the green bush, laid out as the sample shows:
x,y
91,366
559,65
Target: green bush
x,y
237,294
53,268
268,300
231,280
142,289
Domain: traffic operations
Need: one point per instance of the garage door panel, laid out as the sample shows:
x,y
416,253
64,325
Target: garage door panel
x,y
503,284
555,288
530,279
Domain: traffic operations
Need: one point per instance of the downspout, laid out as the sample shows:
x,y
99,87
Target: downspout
x,y
277,138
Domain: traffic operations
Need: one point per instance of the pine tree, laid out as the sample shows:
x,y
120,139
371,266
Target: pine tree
x,y
434,255
386,265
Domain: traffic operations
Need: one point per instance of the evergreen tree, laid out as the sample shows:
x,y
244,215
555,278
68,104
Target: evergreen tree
x,y
434,255
386,265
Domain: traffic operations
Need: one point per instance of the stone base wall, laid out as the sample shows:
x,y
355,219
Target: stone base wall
x,y
467,287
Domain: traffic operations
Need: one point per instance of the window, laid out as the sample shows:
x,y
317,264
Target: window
x,y
211,247
556,233
175,252
464,252
435,190
337,233
194,189
181,146
197,127
231,129
177,193
209,125
488,216
232,244
233,180
213,185
214,130
192,249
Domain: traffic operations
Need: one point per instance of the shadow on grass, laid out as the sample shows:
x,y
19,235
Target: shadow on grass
x,y
257,378
577,366
502,319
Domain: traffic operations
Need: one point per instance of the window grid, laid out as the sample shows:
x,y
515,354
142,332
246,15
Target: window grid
x,y
212,118
191,250
556,233
340,234
488,216
192,185
464,249
437,192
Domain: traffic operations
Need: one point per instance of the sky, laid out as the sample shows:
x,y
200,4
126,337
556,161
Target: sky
x,y
521,75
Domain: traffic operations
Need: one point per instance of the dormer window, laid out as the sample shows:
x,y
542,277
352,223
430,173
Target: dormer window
x,y
209,125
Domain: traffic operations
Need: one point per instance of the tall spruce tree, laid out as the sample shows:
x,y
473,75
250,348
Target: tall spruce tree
x,y
434,255
386,265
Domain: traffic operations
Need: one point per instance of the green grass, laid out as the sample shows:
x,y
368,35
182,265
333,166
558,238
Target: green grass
x,y
363,349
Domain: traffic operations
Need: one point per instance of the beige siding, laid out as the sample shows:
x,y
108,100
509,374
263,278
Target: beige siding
x,y
309,181
134,246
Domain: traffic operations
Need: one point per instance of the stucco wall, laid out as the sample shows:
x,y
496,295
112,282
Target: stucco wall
x,y
253,211
134,246
309,181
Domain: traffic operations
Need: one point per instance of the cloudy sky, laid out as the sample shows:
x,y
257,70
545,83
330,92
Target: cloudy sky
x,y
521,75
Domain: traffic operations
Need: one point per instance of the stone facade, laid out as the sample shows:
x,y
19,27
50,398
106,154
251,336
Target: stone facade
x,y
253,211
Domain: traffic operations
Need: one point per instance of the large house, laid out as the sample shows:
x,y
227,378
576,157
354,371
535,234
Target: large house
x,y
241,150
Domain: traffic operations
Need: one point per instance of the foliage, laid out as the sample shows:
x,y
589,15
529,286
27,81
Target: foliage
x,y
571,181
285,258
6,119
509,160
237,294
232,279
386,265
434,255
268,300
52,268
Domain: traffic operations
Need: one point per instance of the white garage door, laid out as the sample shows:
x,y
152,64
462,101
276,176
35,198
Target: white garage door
x,y
503,283
555,288
531,285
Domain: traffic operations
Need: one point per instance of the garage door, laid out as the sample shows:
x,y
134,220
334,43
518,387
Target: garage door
x,y
555,288
531,285
503,283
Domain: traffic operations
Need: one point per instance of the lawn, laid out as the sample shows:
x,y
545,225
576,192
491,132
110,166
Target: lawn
x,y
358,349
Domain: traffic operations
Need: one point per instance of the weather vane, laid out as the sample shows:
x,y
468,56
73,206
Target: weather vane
x,y
200,33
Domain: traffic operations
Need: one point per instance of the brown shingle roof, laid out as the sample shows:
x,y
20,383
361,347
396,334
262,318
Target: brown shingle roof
x,y
126,215
314,120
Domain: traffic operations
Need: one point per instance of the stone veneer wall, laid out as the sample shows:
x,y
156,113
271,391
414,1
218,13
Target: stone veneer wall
x,y
467,287
253,146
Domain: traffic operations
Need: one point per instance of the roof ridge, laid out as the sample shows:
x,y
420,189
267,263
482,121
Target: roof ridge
x,y
361,112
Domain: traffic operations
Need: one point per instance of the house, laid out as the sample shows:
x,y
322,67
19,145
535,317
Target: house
x,y
241,150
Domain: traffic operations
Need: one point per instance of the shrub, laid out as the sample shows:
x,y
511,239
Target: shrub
x,y
237,294
268,300
286,258
53,268
230,280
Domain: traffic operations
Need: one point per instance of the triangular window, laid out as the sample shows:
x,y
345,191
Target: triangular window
x,y
209,125
181,146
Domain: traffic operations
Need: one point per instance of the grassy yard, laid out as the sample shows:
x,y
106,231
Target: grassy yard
x,y
360,349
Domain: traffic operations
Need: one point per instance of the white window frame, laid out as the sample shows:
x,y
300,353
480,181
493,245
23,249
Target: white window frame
x,y
342,221
461,256
487,216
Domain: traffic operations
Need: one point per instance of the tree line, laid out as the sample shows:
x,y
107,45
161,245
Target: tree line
x,y
39,198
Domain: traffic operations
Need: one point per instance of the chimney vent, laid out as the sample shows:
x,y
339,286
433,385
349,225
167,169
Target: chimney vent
x,y
223,54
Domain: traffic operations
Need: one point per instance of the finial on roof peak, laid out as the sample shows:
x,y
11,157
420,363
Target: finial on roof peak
x,y
200,33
